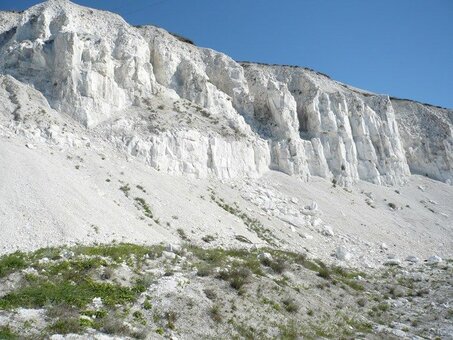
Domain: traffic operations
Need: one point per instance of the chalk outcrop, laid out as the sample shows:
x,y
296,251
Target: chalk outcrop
x,y
217,117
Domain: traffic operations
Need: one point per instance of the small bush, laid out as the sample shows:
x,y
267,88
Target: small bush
x,y
145,207
139,187
210,293
125,189
278,266
324,273
113,324
306,263
237,277
361,302
242,239
289,331
145,281
392,205
62,310
383,307
266,261
208,238
7,334
204,271
138,317
11,263
215,313
171,319
66,326
182,234
290,305
147,304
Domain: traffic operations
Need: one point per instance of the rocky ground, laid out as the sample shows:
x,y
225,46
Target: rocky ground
x,y
188,292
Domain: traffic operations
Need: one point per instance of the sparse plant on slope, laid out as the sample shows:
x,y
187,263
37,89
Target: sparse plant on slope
x,y
141,203
253,224
125,189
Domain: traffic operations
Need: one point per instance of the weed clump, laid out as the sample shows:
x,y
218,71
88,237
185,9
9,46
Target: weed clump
x,y
182,234
237,277
125,189
208,238
324,273
171,318
144,206
290,305
210,294
215,313
11,263
252,224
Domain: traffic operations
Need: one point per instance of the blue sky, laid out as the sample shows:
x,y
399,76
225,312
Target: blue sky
x,y
399,47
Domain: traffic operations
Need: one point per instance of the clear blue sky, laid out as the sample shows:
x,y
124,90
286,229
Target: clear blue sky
x,y
399,47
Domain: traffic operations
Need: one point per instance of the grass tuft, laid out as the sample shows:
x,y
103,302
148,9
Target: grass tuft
x,y
11,263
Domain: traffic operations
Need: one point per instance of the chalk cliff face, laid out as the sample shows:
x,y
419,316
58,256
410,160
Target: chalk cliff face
x,y
194,111
427,137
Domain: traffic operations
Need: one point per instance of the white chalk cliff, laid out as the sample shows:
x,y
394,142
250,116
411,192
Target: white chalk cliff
x,y
194,111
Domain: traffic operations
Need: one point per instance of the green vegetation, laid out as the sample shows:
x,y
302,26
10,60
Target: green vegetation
x,y
43,292
7,334
208,238
289,331
237,277
252,224
215,313
66,326
171,318
141,203
139,187
182,234
279,265
125,189
65,282
11,263
290,305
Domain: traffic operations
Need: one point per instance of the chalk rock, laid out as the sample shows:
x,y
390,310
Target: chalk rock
x,y
168,255
392,262
327,230
434,259
97,303
173,248
413,259
307,236
343,254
